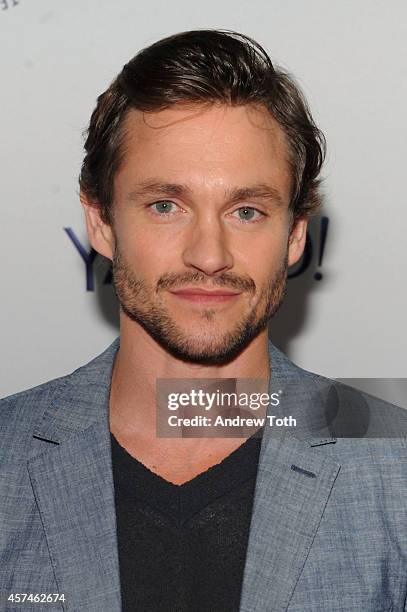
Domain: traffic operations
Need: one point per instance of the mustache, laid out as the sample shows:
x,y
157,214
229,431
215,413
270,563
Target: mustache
x,y
171,281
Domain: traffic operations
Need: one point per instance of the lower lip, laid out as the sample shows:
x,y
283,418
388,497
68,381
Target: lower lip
x,y
201,297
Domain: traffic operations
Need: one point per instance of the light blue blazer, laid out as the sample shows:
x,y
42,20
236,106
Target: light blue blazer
x,y
329,523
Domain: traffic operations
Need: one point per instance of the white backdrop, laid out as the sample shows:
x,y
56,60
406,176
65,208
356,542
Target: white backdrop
x,y
349,57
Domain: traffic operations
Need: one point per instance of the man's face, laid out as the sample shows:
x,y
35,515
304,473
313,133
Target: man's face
x,y
201,201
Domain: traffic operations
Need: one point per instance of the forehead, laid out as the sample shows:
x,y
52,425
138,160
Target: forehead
x,y
205,145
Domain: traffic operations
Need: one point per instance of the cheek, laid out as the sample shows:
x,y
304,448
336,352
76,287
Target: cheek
x,y
147,254
264,256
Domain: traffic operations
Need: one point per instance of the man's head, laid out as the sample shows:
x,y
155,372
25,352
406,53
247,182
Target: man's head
x,y
201,171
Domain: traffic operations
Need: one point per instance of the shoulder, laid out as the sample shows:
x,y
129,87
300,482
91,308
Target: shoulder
x,y
30,401
363,429
68,400
20,412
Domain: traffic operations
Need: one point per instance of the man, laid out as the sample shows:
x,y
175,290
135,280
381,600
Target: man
x,y
201,171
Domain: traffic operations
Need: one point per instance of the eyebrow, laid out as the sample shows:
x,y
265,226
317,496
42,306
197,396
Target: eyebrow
x,y
261,191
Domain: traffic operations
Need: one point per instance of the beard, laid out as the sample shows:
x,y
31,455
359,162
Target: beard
x,y
136,299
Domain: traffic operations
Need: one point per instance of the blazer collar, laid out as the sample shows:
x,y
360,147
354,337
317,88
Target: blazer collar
x,y
81,398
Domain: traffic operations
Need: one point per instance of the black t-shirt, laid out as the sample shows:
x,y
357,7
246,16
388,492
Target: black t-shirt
x,y
182,548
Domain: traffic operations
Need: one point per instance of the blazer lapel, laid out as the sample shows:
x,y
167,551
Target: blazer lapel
x,y
292,489
294,481
72,481
74,491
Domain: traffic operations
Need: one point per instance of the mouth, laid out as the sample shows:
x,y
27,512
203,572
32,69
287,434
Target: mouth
x,y
194,294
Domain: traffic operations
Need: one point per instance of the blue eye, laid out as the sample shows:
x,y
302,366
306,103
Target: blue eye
x,y
165,206
247,216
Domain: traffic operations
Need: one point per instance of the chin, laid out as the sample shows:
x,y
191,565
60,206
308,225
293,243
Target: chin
x,y
202,355
212,348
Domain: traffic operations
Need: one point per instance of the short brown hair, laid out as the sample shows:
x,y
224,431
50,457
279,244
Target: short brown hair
x,y
202,66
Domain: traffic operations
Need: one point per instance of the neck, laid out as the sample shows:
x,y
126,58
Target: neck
x,y
140,361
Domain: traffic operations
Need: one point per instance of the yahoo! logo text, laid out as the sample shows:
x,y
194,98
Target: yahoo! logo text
x,y
90,256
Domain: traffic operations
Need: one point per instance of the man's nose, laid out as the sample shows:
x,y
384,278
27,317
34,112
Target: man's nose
x,y
207,246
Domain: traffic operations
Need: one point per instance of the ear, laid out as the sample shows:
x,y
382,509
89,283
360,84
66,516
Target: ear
x,y
100,233
296,241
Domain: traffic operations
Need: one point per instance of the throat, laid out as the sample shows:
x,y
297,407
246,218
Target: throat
x,y
177,460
